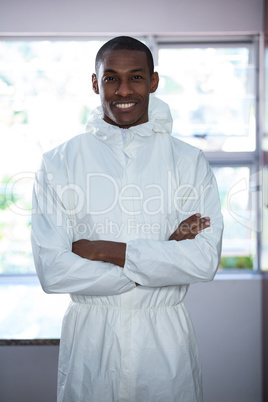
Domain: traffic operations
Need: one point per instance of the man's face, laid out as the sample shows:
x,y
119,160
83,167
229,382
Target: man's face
x,y
124,84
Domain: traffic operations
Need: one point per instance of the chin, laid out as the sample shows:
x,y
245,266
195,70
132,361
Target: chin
x,y
129,123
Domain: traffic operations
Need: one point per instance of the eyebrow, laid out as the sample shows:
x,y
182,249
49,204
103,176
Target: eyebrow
x,y
135,70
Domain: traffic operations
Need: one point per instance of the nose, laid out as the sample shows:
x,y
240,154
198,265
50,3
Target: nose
x,y
124,88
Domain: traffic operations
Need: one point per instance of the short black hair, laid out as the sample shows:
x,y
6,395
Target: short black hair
x,y
125,43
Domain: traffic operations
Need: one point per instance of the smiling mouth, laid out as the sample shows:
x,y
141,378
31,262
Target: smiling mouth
x,y
124,105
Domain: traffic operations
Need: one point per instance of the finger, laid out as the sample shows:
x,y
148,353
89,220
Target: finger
x,y
204,222
193,217
190,223
200,225
197,220
192,226
184,228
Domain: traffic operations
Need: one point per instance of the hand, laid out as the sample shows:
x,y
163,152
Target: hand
x,y
190,227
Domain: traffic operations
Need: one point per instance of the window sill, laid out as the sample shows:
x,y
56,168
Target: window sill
x,y
29,342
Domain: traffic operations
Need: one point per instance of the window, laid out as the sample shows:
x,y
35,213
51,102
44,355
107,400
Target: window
x,y
238,199
212,94
45,98
211,88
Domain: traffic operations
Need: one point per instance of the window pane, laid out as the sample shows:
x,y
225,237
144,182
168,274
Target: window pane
x,y
28,312
238,200
45,98
211,91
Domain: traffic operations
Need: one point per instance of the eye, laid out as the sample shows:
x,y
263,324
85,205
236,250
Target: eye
x,y
109,79
137,77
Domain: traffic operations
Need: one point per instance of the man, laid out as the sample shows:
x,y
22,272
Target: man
x,y
125,218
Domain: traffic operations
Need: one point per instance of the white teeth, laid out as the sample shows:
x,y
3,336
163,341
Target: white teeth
x,y
124,105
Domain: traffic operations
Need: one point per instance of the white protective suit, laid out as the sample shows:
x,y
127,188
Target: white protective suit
x,y
121,342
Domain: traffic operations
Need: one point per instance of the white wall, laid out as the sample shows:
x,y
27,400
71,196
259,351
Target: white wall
x,y
149,16
28,373
227,315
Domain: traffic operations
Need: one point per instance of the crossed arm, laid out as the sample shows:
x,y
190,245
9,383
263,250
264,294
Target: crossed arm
x,y
114,252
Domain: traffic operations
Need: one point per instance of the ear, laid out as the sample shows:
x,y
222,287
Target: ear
x,y
95,86
154,82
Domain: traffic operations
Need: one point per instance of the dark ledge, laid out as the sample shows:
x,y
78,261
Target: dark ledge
x,y
29,342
